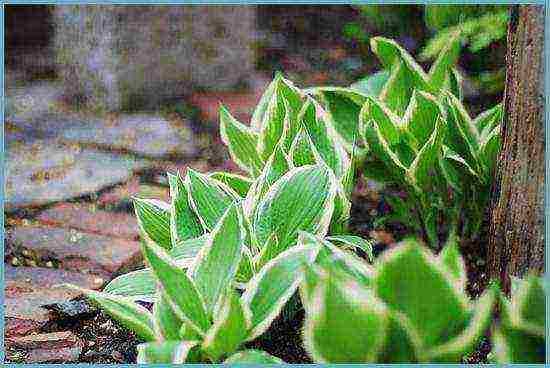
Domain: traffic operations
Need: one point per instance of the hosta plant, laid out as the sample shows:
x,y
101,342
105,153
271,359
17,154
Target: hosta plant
x,y
198,313
520,334
422,141
410,307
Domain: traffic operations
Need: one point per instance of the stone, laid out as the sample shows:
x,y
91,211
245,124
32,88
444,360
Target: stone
x,y
56,355
50,340
45,171
79,251
28,288
128,57
143,134
87,218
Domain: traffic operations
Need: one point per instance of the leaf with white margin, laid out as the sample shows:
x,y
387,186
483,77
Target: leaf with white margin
x,y
240,184
421,116
241,142
273,125
129,314
167,323
208,197
445,61
252,357
184,223
451,258
218,260
345,323
301,150
180,290
412,281
464,343
303,199
277,165
274,285
355,242
154,217
326,141
230,328
164,352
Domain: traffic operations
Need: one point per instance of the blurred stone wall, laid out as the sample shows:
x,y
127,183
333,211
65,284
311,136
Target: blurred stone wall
x,y
123,57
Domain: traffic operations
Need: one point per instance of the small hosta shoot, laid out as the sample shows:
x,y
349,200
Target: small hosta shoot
x,y
520,334
410,307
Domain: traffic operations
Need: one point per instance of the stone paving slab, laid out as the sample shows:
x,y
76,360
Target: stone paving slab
x,y
87,218
27,288
77,250
144,134
45,171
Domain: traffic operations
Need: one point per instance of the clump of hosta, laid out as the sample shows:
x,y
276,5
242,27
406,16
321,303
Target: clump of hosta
x,y
520,335
421,139
288,129
410,307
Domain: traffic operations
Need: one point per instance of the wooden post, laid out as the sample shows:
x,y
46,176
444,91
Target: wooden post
x,y
516,240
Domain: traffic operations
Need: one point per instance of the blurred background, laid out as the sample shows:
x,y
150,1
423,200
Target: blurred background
x,y
101,101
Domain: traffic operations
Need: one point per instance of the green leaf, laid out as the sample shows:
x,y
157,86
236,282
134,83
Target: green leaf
x,y
154,217
274,284
413,282
343,107
188,249
455,84
165,352
256,121
401,345
446,60
252,357
387,121
326,141
216,264
489,150
240,184
371,85
241,142
451,258
277,165
167,323
488,120
354,241
273,125
230,327
208,197
179,289
515,345
421,116
464,343
184,224
528,306
423,168
357,333
135,285
129,314
301,151
303,199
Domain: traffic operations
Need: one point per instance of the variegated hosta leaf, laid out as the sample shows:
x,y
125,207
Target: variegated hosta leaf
x,y
452,260
464,343
488,120
129,314
528,305
165,352
343,106
141,284
326,141
462,136
445,61
422,169
277,165
241,142
179,289
345,323
401,344
371,85
301,150
273,126
354,242
209,197
455,84
252,357
184,224
415,283
257,119
303,199
274,284
230,327
240,184
167,323
489,149
154,217
387,122
216,264
421,115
